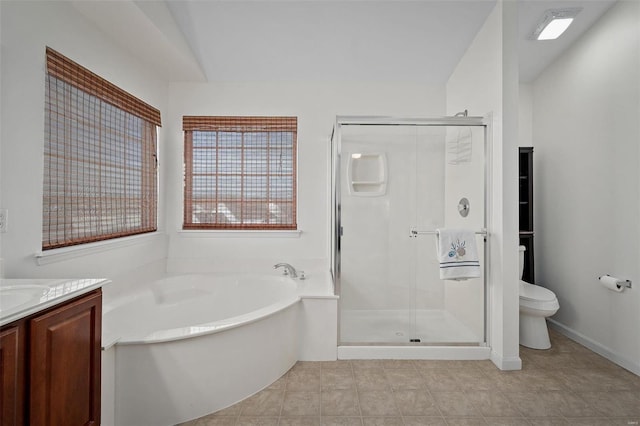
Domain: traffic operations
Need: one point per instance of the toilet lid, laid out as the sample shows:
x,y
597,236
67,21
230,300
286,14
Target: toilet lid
x,y
536,293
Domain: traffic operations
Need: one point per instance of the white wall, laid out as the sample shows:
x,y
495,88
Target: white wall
x,y
486,81
316,106
586,115
27,27
525,115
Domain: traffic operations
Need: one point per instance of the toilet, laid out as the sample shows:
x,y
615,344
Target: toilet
x,y
536,304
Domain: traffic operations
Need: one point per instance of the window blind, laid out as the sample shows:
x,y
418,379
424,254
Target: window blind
x,y
240,172
100,178
65,69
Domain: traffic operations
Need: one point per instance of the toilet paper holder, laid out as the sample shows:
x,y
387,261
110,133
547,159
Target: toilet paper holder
x,y
619,282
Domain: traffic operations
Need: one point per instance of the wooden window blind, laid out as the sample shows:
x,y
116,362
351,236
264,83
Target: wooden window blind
x,y
100,177
240,172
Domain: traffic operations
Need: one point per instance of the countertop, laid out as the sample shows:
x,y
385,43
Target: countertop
x,y
21,297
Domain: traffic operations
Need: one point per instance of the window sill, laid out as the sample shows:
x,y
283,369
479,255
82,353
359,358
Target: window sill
x,y
203,233
68,253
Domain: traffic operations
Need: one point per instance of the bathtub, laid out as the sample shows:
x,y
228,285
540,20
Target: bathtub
x,y
188,345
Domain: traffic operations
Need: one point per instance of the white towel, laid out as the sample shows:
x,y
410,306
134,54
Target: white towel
x,y
457,254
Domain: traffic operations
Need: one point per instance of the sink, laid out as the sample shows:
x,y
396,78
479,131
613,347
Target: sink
x,y
14,296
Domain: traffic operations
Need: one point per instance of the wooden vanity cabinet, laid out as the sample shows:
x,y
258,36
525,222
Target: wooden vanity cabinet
x,y
62,364
12,363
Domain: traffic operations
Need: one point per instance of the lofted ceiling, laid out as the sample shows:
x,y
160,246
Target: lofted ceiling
x,y
321,40
417,41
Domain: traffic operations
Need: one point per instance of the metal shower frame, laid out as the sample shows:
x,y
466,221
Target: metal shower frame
x,y
460,119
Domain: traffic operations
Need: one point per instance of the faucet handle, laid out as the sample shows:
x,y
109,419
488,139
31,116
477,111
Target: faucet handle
x,y
301,275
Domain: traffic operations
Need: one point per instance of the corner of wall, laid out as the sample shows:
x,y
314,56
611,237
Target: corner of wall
x,y
486,82
506,363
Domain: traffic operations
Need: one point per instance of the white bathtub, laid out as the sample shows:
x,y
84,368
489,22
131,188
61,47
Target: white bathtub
x,y
189,345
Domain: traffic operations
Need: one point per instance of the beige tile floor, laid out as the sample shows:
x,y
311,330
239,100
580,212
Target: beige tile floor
x,y
566,385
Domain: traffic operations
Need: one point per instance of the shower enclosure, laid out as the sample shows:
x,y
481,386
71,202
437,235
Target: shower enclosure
x,y
394,182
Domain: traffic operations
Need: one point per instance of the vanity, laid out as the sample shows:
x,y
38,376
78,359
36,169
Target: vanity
x,y
50,336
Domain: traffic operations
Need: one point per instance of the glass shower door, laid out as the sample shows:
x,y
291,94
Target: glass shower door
x,y
377,193
397,185
450,172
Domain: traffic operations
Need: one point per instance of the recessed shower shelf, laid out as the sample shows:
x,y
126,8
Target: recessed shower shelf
x,y
367,174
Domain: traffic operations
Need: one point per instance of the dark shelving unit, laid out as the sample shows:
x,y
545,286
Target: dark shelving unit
x,y
525,174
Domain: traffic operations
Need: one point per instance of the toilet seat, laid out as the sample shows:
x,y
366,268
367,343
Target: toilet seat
x,y
536,298
535,293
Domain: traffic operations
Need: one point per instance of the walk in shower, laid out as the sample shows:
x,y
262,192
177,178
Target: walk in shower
x,y
395,182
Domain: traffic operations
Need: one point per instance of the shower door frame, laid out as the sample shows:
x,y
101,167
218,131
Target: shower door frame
x,y
336,208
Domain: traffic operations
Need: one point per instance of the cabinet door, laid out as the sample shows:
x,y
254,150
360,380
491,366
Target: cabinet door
x,y
65,364
12,375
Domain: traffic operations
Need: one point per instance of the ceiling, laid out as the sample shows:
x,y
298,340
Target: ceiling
x,y
417,41
321,40
535,56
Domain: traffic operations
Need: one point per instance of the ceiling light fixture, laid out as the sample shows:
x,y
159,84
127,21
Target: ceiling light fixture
x,y
554,23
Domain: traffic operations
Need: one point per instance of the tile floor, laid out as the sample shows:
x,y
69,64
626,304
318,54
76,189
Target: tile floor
x,y
566,385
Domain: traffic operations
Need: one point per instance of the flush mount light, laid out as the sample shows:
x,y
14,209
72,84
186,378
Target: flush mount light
x,y
554,22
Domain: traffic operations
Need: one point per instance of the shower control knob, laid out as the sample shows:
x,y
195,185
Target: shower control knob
x,y
463,207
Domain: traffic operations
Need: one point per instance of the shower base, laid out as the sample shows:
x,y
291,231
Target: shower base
x,y
430,326
386,334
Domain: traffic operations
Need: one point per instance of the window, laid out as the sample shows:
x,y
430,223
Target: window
x,y
240,172
100,178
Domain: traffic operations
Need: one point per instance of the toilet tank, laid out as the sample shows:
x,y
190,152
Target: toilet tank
x,y
521,250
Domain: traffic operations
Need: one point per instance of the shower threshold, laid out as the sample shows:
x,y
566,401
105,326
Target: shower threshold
x,y
453,352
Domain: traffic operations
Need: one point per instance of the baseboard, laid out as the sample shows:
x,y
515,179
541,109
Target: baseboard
x,y
595,346
511,363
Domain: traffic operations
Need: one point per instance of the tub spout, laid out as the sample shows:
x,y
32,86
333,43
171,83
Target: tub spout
x,y
288,269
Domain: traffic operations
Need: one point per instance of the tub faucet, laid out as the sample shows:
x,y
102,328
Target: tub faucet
x,y
288,269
